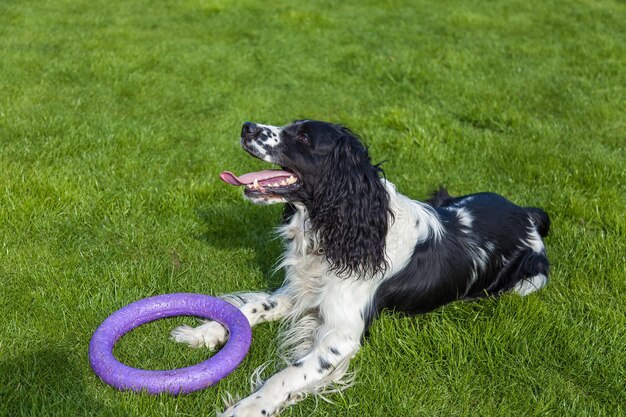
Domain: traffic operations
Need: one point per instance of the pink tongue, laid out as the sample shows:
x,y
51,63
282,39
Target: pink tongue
x,y
249,178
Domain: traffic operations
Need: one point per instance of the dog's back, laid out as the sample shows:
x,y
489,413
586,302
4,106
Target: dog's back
x,y
541,219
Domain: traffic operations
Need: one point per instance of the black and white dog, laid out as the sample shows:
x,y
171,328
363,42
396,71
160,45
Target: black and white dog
x,y
355,247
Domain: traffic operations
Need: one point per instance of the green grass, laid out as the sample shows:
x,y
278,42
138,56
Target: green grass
x,y
116,117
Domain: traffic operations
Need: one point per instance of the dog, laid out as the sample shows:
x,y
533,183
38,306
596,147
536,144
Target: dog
x,y
355,246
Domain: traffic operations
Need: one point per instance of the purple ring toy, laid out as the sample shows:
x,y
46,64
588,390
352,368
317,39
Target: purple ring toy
x,y
175,381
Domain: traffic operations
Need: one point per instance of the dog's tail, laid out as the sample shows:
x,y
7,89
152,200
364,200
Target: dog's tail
x,y
541,220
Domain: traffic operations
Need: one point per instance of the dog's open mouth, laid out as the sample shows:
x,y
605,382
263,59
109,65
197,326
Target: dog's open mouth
x,y
269,181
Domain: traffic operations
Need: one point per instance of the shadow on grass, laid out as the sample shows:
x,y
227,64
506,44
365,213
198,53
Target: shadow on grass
x,y
239,227
46,382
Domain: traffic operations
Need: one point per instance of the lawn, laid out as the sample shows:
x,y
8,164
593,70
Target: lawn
x,y
117,116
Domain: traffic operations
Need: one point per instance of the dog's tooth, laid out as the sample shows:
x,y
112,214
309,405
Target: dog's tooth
x,y
283,183
255,184
291,180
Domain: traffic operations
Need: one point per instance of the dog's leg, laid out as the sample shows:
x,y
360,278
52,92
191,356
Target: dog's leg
x,y
257,307
327,362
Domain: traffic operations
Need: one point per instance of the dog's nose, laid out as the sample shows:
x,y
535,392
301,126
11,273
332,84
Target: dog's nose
x,y
249,129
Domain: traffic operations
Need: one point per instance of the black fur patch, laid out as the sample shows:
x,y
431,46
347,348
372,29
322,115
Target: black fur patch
x,y
444,269
324,365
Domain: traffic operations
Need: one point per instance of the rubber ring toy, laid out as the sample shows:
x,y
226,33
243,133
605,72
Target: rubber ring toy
x,y
175,381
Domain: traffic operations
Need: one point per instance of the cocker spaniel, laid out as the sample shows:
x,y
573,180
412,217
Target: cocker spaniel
x,y
355,246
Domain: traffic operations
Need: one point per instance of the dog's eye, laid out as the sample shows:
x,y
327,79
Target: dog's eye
x,y
302,137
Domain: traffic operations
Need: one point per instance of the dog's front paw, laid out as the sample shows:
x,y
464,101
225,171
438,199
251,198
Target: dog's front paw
x,y
210,334
253,406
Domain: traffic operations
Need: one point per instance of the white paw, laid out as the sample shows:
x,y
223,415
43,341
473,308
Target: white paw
x,y
530,285
210,334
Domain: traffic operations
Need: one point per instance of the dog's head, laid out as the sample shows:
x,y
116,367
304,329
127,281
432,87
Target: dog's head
x,y
326,168
300,149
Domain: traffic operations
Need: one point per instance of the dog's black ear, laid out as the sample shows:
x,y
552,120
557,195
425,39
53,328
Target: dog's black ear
x,y
350,211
